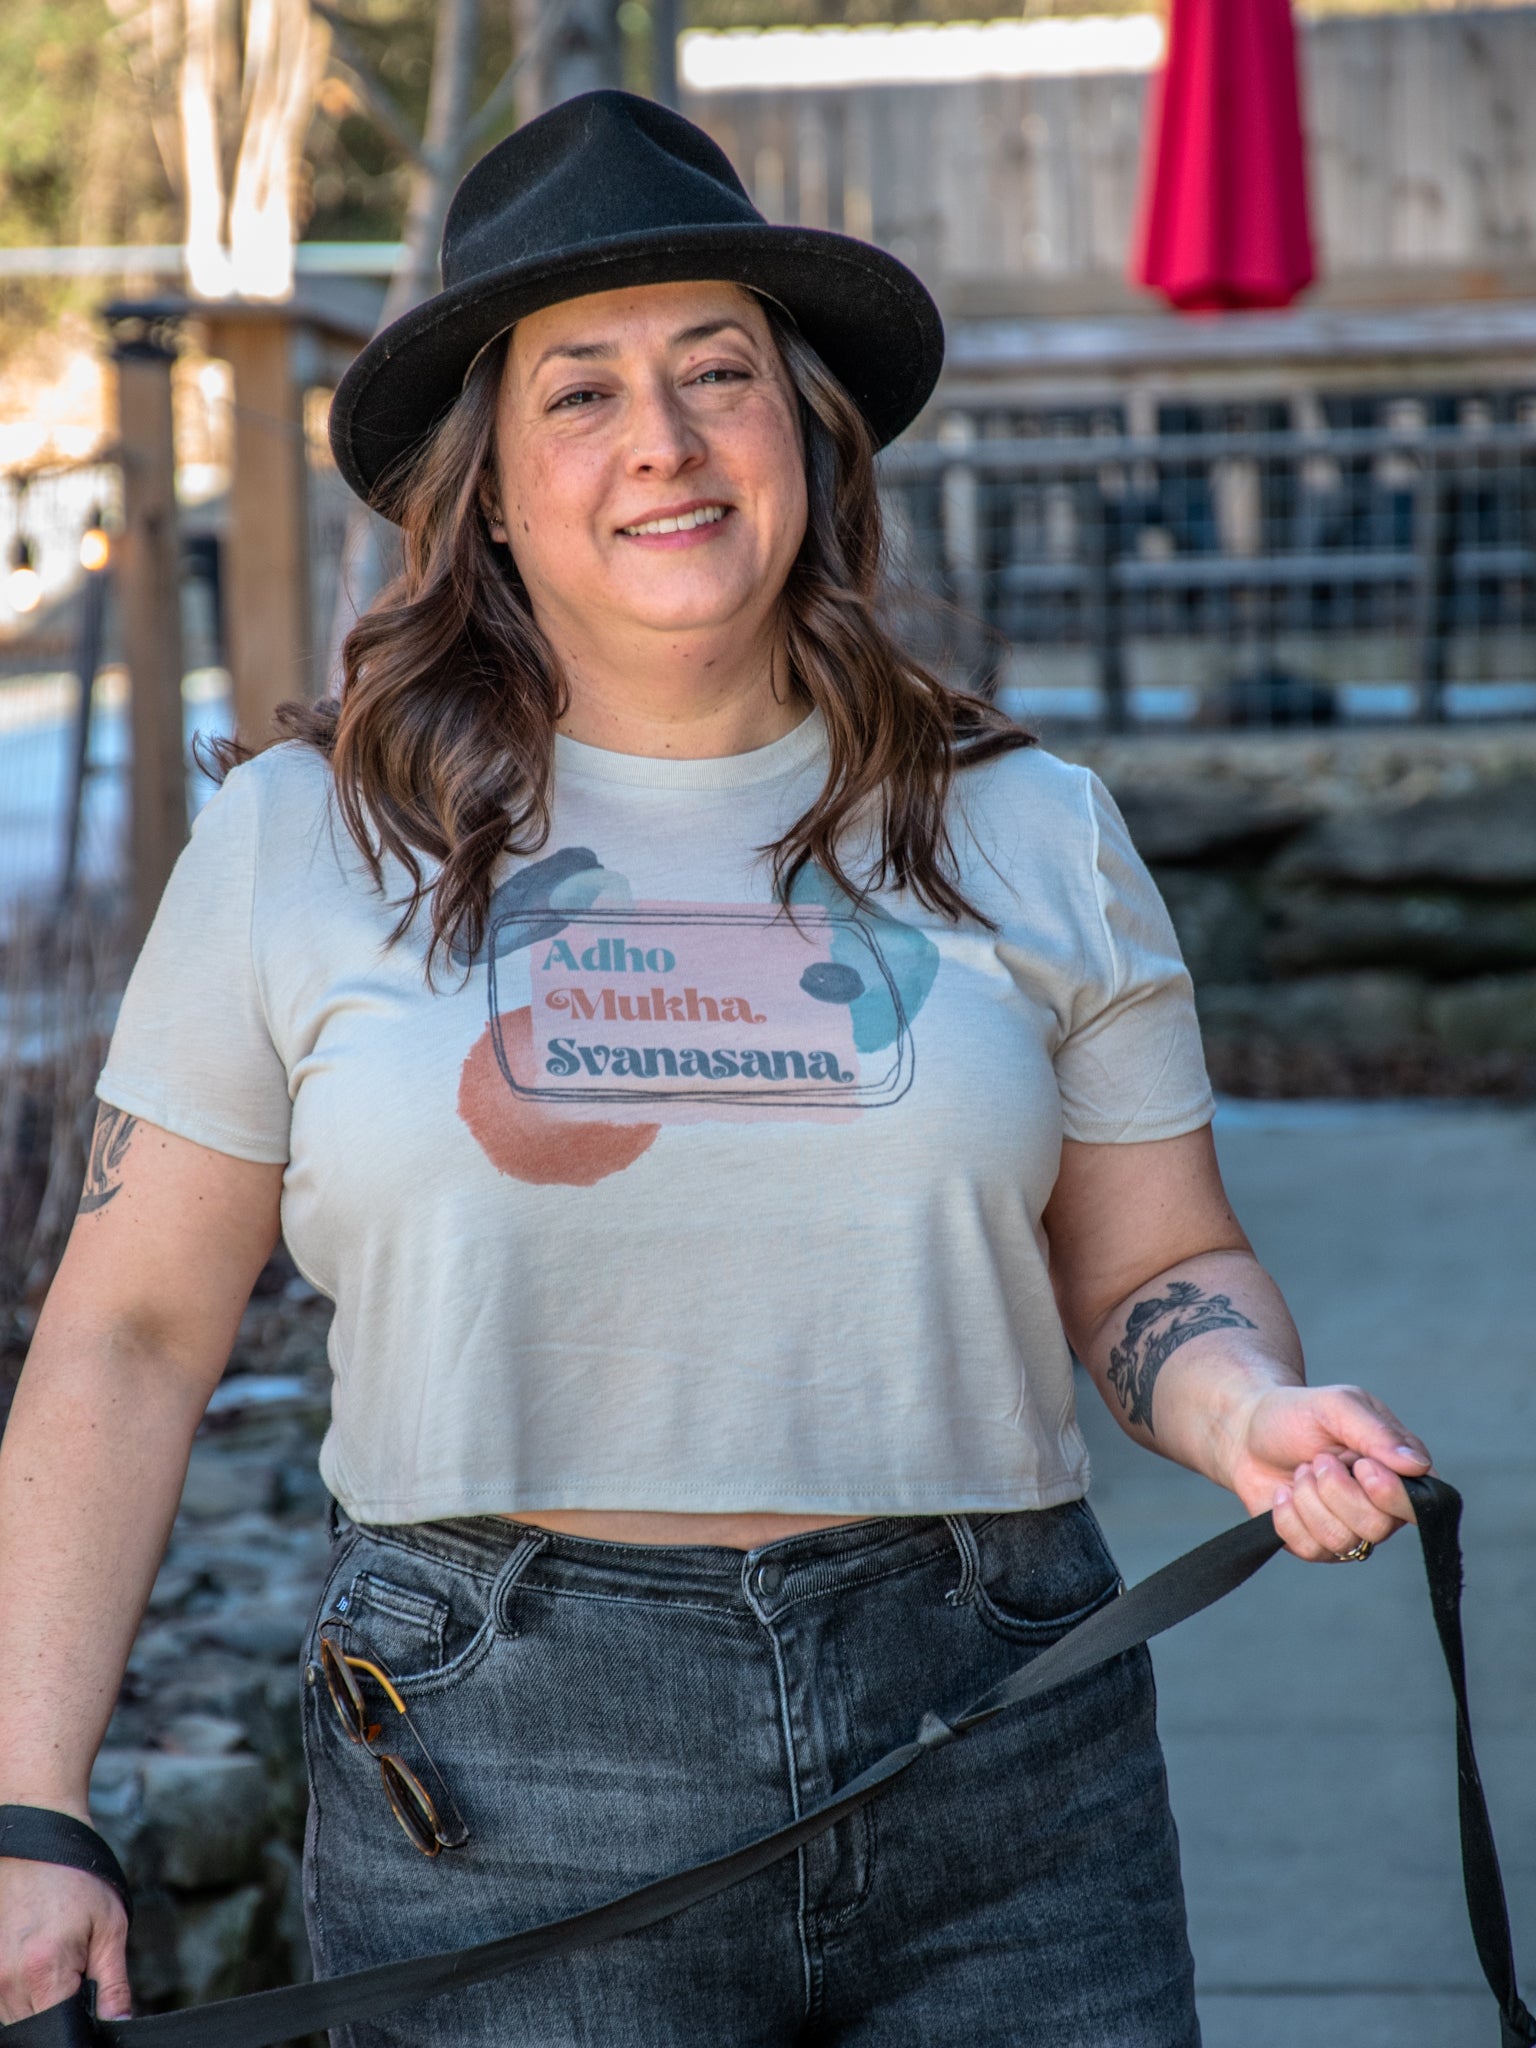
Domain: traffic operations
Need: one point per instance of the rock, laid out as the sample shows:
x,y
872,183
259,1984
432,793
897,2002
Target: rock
x,y
1366,1012
188,1822
1185,822
301,1489
1439,933
290,1948
174,1583
270,1625
1218,921
216,1684
200,1735
1494,1013
215,1947
223,1481
1485,839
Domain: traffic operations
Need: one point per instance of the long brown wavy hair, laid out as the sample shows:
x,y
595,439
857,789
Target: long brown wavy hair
x,y
441,742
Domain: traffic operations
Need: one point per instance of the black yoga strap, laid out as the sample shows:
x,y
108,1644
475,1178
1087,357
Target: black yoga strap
x,y
44,1836
1169,1596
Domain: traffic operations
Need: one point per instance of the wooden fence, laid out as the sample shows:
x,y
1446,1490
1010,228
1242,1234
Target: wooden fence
x,y
1019,194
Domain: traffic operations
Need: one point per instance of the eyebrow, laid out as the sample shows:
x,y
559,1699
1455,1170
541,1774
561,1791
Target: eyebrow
x,y
604,351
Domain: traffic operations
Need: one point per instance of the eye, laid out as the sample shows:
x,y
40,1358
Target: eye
x,y
720,373
574,401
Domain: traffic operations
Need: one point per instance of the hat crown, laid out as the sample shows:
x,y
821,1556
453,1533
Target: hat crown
x,y
597,167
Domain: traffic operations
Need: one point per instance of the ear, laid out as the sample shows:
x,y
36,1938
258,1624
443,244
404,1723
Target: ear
x,y
490,510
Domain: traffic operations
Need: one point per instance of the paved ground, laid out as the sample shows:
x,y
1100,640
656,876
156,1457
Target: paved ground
x,y
1307,1719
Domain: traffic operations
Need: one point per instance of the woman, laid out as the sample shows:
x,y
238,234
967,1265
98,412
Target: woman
x,y
715,1069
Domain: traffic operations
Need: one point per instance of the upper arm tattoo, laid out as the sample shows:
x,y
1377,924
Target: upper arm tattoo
x,y
109,1142
1154,1330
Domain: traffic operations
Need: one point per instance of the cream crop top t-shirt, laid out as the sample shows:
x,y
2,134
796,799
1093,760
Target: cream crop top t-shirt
x,y
663,1201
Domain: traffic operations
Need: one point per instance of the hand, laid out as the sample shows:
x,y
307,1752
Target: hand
x,y
1327,1461
57,1926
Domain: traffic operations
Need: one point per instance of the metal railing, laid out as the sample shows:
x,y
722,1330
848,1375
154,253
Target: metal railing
x,y
1289,572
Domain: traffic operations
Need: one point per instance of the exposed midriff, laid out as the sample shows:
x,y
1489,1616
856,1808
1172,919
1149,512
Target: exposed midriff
x,y
729,1532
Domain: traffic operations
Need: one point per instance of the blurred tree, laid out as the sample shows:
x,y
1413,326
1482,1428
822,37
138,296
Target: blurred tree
x,y
245,90
78,161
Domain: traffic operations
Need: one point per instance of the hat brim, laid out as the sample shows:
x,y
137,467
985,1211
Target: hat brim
x,y
869,318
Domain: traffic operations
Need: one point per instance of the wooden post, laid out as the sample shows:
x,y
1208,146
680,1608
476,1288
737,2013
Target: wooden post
x,y
266,582
960,513
149,594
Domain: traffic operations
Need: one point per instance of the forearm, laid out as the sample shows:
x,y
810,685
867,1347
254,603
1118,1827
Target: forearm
x,y
92,1465
1181,1360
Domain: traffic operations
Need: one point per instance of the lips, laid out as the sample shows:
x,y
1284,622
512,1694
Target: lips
x,y
681,521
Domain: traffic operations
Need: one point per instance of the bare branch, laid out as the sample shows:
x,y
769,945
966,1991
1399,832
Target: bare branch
x,y
496,104
347,56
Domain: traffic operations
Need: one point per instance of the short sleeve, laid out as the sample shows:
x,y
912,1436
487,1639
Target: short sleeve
x,y
1130,1068
191,1050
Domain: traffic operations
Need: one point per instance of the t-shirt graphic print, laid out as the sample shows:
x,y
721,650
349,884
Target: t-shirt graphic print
x,y
644,1014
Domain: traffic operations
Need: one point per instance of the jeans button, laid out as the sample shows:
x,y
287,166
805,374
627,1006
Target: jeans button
x,y
770,1577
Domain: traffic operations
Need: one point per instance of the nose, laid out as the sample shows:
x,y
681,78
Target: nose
x,y
662,440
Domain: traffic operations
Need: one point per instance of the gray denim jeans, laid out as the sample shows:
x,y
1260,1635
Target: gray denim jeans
x,y
605,1713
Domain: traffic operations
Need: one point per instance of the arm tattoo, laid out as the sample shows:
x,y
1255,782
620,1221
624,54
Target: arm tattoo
x,y
1154,1330
109,1141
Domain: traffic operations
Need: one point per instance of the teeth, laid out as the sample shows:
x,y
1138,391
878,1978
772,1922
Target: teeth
x,y
706,515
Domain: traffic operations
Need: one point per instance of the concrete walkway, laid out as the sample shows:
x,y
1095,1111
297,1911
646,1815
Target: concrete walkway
x,y
1307,1720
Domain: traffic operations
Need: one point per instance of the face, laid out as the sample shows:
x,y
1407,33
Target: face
x,y
650,466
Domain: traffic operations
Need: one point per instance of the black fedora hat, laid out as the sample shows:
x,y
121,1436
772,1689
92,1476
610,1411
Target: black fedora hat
x,y
608,190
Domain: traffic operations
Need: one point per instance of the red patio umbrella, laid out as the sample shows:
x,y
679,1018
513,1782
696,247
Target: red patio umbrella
x,y
1223,217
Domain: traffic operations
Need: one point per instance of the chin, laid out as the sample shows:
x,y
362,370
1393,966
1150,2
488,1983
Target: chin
x,y
692,611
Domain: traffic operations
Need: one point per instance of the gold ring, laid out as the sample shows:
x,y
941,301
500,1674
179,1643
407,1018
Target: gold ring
x,y
1357,1552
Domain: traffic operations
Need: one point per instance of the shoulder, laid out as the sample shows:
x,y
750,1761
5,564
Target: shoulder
x,y
1028,806
290,775
276,799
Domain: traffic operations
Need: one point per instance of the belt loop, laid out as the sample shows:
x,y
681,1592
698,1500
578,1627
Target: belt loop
x,y
518,1560
963,1536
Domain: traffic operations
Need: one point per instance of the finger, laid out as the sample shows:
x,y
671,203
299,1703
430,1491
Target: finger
x,y
1317,1518
1345,1497
1366,1425
1386,1490
107,1963
1292,1533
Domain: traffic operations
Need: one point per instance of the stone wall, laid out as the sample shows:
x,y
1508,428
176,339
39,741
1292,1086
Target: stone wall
x,y
200,1783
1358,909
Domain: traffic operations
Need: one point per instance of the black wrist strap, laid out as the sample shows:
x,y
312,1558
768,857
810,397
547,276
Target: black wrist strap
x,y
43,1835
1169,1596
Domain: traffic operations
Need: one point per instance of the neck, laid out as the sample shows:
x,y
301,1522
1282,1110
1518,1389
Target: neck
x,y
694,699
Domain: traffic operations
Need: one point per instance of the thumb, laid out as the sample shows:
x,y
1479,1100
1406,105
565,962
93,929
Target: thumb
x,y
1367,1426
107,1962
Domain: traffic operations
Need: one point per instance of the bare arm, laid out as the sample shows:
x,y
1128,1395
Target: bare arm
x,y
1193,1349
132,1340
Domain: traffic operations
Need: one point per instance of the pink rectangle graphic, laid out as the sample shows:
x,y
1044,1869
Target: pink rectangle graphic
x,y
685,1012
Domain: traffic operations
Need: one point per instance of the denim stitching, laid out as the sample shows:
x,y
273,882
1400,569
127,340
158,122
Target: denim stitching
x,y
509,1578
720,1613
829,1925
964,1538
793,1772
370,1531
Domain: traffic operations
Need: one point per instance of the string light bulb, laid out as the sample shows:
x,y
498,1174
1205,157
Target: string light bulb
x,y
95,544
23,587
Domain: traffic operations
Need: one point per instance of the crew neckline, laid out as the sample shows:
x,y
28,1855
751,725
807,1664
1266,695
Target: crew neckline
x,y
576,760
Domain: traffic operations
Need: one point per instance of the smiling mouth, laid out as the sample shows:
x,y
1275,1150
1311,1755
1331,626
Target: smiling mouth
x,y
681,522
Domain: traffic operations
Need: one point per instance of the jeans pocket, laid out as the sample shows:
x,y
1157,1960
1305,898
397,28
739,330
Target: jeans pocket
x,y
1040,1572
425,1622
